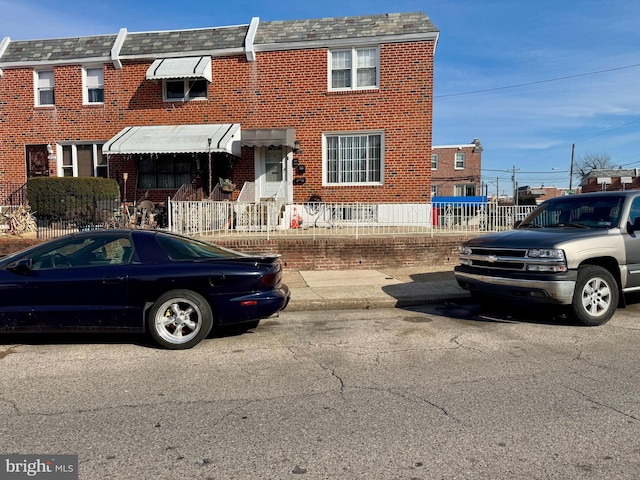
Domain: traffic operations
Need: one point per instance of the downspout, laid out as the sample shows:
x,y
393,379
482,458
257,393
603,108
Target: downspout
x,y
250,39
117,47
3,48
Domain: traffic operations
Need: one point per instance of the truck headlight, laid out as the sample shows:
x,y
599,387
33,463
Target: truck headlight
x,y
551,253
464,250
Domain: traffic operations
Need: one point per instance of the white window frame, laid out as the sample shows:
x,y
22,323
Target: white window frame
x,y
464,188
185,90
434,161
434,190
459,161
42,84
345,135
92,80
353,68
74,159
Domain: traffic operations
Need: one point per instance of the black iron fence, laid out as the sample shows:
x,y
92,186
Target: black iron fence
x,y
48,215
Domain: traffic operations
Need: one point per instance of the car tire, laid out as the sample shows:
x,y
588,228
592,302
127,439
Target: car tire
x,y
595,298
180,319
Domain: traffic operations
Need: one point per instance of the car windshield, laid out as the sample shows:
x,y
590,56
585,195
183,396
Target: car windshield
x,y
182,248
577,212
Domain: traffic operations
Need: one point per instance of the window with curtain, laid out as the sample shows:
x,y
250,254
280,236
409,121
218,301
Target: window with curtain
x,y
83,160
353,159
164,171
44,88
94,85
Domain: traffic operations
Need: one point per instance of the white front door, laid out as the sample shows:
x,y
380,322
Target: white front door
x,y
271,172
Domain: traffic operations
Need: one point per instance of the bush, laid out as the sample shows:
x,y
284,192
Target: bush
x,y
79,200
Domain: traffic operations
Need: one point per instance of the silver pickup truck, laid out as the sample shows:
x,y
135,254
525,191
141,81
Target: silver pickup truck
x,y
581,251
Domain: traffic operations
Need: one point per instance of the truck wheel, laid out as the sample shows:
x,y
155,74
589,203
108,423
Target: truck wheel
x,y
595,298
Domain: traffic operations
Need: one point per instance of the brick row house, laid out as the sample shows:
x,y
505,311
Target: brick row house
x,y
336,108
456,170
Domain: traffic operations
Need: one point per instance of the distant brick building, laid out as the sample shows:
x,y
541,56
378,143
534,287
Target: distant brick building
x,y
339,108
611,179
456,170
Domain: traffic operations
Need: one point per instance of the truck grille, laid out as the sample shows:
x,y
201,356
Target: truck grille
x,y
498,259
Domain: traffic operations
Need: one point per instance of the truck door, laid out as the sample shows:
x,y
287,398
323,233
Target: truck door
x,y
632,248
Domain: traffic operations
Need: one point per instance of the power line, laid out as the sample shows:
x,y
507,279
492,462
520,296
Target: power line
x,y
568,77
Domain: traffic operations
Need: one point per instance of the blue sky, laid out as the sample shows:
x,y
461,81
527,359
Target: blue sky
x,y
529,79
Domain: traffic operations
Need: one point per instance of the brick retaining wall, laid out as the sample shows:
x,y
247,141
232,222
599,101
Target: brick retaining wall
x,y
303,253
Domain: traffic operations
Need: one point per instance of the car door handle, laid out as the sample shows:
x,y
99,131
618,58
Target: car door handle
x,y
112,280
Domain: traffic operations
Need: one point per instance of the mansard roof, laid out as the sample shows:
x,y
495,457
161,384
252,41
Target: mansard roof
x,y
256,36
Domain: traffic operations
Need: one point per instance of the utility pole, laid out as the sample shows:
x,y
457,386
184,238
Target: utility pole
x,y
515,187
573,147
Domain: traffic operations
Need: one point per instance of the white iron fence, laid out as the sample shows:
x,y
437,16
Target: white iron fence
x,y
348,219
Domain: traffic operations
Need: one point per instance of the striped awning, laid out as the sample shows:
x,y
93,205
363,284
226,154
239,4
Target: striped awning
x,y
187,67
223,137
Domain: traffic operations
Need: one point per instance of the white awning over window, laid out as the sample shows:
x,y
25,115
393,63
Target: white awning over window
x,y
187,67
176,139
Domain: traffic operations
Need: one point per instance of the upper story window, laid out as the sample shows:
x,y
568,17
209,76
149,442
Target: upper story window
x,y
183,90
93,85
82,160
354,68
434,161
353,159
44,88
459,162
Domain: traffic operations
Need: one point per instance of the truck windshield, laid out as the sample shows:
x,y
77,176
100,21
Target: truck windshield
x,y
576,212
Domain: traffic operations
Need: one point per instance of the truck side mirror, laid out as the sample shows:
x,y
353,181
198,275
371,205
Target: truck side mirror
x,y
633,227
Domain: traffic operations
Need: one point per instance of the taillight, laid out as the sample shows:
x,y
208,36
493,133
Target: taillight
x,y
270,279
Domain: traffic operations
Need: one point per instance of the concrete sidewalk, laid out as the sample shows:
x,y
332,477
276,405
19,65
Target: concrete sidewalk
x,y
364,289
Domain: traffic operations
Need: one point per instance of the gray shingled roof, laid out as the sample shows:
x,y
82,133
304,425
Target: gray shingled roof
x,y
158,44
59,49
206,39
332,28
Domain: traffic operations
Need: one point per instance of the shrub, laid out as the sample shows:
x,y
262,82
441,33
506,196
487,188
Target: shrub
x,y
72,199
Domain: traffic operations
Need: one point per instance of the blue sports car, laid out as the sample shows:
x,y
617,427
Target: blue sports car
x,y
174,287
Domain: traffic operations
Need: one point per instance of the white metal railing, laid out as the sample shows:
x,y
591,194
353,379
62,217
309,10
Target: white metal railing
x,y
349,219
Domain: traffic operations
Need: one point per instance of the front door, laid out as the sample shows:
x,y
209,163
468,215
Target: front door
x,y
272,173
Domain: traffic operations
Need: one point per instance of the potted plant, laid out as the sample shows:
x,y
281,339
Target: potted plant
x,y
226,185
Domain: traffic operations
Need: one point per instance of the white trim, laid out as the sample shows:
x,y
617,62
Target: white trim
x,y
4,44
36,88
353,69
117,47
85,86
465,145
326,183
346,42
250,39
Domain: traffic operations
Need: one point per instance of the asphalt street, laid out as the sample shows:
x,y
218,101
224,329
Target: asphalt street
x,y
445,391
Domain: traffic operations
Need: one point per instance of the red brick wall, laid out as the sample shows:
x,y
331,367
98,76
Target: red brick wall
x,y
446,176
281,89
305,253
